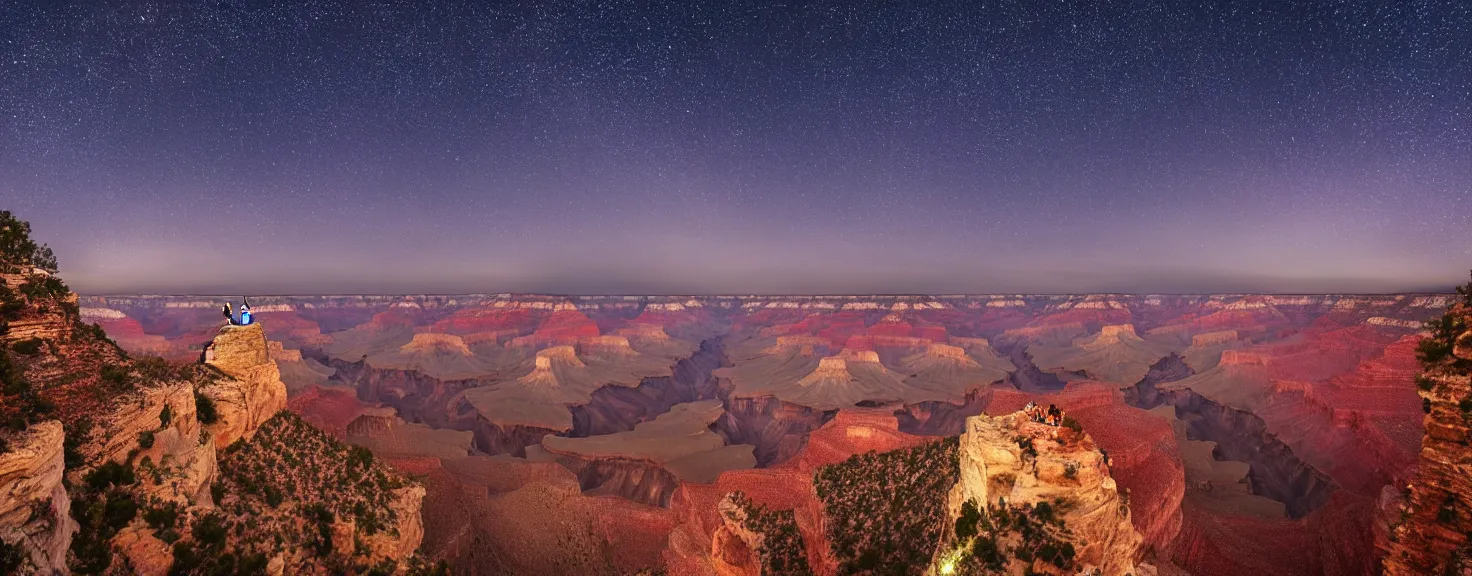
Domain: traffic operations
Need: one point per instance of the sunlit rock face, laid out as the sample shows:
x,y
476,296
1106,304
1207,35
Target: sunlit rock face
x,y
253,393
1011,461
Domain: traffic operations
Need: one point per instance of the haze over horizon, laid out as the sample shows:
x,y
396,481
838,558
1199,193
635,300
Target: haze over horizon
x,y
682,148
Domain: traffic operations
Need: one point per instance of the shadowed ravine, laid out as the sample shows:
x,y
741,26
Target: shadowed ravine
x,y
777,429
1275,471
1027,377
942,418
618,408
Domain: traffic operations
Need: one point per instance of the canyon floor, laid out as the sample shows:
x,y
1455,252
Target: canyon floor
x,y
605,435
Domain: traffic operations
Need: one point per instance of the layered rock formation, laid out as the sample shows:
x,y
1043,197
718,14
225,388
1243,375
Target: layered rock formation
x,y
1116,354
109,464
35,511
1011,465
1434,532
252,393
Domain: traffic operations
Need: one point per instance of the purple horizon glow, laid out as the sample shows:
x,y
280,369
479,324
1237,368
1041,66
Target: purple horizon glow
x,y
835,147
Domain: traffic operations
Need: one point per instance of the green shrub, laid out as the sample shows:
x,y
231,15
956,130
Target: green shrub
x,y
164,517
12,557
165,416
145,439
273,495
986,551
210,531
359,457
110,474
115,377
29,346
1447,514
71,445
44,288
966,522
322,518
119,510
204,408
186,559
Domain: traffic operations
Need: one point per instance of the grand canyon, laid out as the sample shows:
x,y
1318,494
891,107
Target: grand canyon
x,y
1205,434
740,288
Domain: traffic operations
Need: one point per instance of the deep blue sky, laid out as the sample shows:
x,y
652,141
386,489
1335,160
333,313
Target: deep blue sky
x,y
846,146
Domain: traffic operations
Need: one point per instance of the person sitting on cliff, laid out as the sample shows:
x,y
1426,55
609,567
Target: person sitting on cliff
x,y
229,316
1054,415
245,318
1031,409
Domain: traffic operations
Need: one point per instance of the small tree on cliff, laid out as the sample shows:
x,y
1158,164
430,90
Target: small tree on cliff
x,y
1437,348
1465,291
17,250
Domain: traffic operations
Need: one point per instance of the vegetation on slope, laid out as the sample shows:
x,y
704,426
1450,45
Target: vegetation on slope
x,y
782,552
282,491
17,250
1032,539
69,363
1435,351
291,492
885,512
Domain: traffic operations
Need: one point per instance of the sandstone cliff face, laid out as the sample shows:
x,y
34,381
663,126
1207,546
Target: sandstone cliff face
x,y
35,512
182,467
253,393
1432,536
1009,462
734,546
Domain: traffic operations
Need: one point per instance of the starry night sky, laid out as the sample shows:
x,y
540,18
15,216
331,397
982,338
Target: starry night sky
x,y
733,147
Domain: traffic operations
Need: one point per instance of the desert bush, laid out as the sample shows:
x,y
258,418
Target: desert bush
x,y
204,408
20,404
145,439
116,377
12,557
29,346
1447,514
110,474
162,518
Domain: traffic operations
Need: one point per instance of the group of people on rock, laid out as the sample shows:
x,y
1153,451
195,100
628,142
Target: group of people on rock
x,y
245,317
1052,416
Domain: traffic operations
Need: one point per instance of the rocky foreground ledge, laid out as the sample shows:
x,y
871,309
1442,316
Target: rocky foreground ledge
x,y
1037,499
